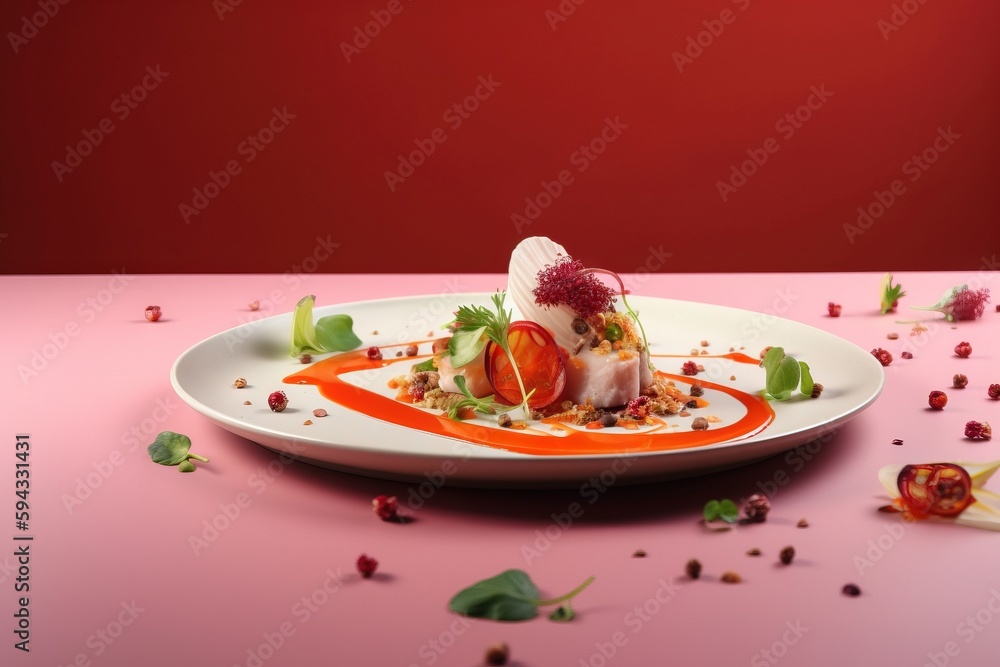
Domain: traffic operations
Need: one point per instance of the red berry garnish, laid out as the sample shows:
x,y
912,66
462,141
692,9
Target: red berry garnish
x,y
638,407
960,381
689,368
386,507
833,309
978,430
153,313
994,392
756,508
883,356
277,401
937,400
963,350
907,355
367,566
374,353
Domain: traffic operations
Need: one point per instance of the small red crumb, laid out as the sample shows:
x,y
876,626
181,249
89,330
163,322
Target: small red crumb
x,y
960,381
367,566
277,401
994,392
411,350
305,359
689,368
897,441
833,309
802,523
374,353
883,356
247,403
386,507
892,335
851,590
153,313
937,400
498,654
978,430
907,355
255,305
963,350
319,412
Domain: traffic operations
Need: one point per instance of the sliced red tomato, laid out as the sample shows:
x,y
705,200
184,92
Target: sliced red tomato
x,y
944,489
539,360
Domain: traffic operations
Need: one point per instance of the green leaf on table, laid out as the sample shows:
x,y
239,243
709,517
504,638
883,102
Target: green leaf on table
x,y
724,510
332,333
173,449
508,596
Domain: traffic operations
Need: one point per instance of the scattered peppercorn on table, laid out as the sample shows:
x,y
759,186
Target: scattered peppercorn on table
x,y
254,557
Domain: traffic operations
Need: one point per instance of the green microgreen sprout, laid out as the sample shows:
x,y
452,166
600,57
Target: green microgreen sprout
x,y
721,510
172,449
332,333
473,327
632,313
486,405
783,374
890,294
511,596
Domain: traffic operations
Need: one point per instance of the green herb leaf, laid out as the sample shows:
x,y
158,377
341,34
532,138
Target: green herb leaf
x,y
332,333
509,596
890,293
782,374
725,510
807,381
173,449
711,511
425,365
465,345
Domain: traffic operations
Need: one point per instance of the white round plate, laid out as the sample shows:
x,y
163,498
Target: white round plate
x,y
354,442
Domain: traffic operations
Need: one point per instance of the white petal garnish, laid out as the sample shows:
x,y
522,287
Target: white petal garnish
x,y
532,255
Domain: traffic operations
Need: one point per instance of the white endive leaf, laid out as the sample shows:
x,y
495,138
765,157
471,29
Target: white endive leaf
x,y
983,513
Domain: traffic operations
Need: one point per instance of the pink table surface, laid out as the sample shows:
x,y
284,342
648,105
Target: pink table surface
x,y
118,576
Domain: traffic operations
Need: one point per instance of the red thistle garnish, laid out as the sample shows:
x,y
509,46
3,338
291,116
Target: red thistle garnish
x,y
978,430
962,303
386,507
569,283
367,566
883,356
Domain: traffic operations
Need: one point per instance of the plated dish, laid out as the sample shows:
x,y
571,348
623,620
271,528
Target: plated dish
x,y
368,431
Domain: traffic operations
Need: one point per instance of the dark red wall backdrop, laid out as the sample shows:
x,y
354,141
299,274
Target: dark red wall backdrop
x,y
667,98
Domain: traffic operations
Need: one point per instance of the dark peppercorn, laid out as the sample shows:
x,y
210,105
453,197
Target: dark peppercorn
x,y
693,568
851,589
787,554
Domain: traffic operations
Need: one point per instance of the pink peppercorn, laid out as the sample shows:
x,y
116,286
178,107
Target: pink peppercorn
x,y
689,368
374,353
963,350
277,401
994,392
883,356
833,309
978,430
756,508
367,566
386,507
153,313
937,400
